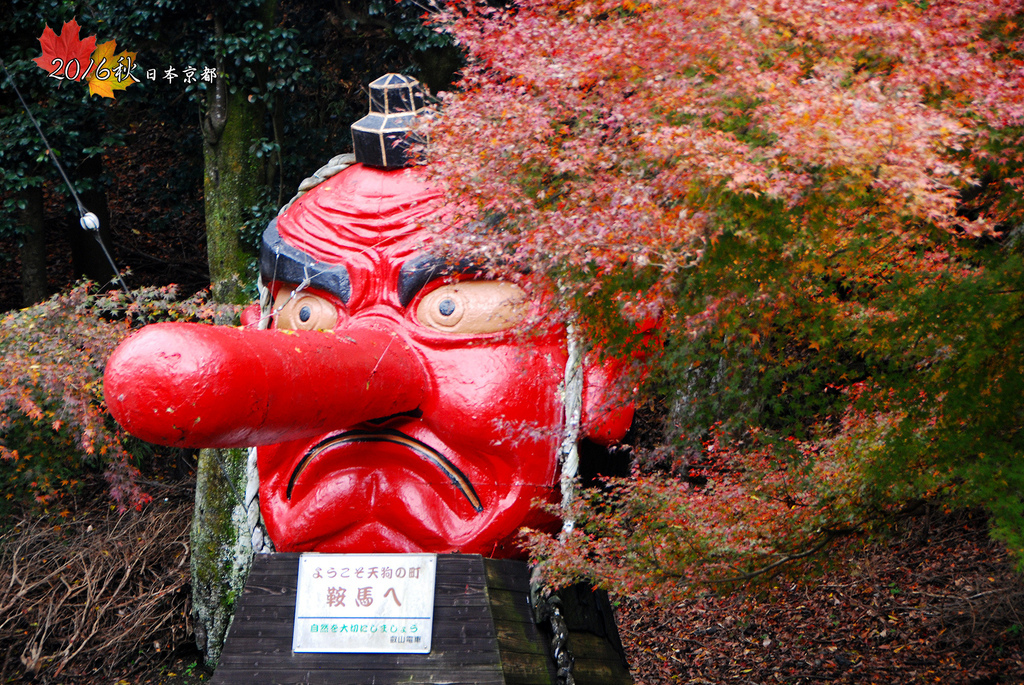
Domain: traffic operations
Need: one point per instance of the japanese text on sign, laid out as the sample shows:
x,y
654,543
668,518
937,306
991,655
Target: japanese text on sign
x,y
364,603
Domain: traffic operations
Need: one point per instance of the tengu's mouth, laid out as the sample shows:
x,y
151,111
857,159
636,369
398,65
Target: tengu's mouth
x,y
420,449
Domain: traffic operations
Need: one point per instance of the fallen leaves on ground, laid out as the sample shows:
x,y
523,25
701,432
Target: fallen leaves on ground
x,y
936,604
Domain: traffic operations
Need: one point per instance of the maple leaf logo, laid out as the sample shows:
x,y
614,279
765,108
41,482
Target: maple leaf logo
x,y
61,52
110,72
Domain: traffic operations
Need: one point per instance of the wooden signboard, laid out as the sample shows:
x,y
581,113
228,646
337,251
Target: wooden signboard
x,y
483,633
363,603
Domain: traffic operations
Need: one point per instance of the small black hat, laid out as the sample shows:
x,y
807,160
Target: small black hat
x,y
382,138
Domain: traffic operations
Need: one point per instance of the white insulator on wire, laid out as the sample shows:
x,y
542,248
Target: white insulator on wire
x,y
90,222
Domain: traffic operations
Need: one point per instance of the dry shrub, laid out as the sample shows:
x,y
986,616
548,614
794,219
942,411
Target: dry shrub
x,y
82,597
992,612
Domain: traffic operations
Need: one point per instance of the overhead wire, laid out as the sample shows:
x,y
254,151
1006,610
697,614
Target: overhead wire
x,y
87,220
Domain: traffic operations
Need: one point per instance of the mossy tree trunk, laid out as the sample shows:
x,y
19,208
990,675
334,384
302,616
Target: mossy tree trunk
x,y
220,555
221,546
221,528
232,183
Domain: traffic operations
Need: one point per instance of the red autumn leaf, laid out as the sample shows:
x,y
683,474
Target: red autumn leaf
x,y
61,51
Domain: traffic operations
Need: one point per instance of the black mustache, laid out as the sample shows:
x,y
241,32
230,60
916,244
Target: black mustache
x,y
457,477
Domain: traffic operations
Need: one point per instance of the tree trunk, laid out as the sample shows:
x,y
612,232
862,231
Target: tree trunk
x,y
33,248
231,185
221,553
221,545
227,506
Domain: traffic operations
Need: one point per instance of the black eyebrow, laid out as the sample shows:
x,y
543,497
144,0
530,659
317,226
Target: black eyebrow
x,y
419,271
279,261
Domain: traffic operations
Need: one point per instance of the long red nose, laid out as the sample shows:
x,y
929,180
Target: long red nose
x,y
190,385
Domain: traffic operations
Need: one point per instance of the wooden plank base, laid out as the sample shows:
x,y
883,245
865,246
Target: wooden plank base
x,y
484,633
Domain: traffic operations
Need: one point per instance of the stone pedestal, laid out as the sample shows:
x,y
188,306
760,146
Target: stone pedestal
x,y
484,633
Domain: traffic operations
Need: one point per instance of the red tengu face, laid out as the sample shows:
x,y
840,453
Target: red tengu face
x,y
458,472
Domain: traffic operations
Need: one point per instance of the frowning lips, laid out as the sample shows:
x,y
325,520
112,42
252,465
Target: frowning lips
x,y
388,435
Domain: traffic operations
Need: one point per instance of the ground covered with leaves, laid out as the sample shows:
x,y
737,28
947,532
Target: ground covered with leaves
x,y
937,603
91,596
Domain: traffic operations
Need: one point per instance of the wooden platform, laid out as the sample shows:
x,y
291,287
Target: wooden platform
x,y
484,633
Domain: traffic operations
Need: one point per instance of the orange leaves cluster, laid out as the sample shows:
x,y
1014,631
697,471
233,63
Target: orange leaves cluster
x,y
742,515
603,132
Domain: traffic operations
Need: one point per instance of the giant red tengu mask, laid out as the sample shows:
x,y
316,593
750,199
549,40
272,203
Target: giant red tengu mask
x,y
396,403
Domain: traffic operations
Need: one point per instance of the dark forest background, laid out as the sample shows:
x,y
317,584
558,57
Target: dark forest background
x,y
300,70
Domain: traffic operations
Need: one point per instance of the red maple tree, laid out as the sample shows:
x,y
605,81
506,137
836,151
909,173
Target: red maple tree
x,y
802,193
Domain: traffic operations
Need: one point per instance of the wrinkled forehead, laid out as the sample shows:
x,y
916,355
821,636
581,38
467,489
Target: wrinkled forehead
x,y
361,208
354,230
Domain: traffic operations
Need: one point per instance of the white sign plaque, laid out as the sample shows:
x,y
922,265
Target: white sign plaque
x,y
364,603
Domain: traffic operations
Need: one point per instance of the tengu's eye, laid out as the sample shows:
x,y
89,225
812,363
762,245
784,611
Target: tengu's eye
x,y
303,311
473,307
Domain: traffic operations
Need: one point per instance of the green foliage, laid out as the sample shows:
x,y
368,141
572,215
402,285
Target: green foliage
x,y
265,60
405,18
306,65
74,125
54,429
962,344
818,383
